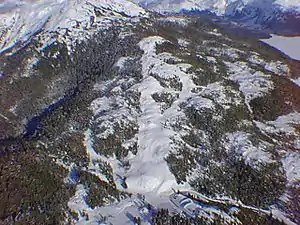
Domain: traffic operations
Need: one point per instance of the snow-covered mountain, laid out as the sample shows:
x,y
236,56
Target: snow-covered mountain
x,y
20,20
279,16
219,7
108,109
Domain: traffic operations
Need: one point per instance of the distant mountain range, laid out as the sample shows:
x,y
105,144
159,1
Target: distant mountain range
x,y
277,16
221,7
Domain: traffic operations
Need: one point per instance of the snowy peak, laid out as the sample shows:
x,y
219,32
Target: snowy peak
x,y
19,21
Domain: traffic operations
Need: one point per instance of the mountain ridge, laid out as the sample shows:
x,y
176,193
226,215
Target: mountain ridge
x,y
20,22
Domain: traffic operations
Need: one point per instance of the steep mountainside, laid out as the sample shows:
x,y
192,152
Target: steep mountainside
x,y
130,118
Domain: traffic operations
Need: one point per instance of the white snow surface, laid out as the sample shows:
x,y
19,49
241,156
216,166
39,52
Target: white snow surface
x,y
147,184
283,124
242,145
149,171
116,213
252,83
288,45
291,165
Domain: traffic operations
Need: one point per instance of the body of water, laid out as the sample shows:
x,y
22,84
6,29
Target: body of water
x,y
288,45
